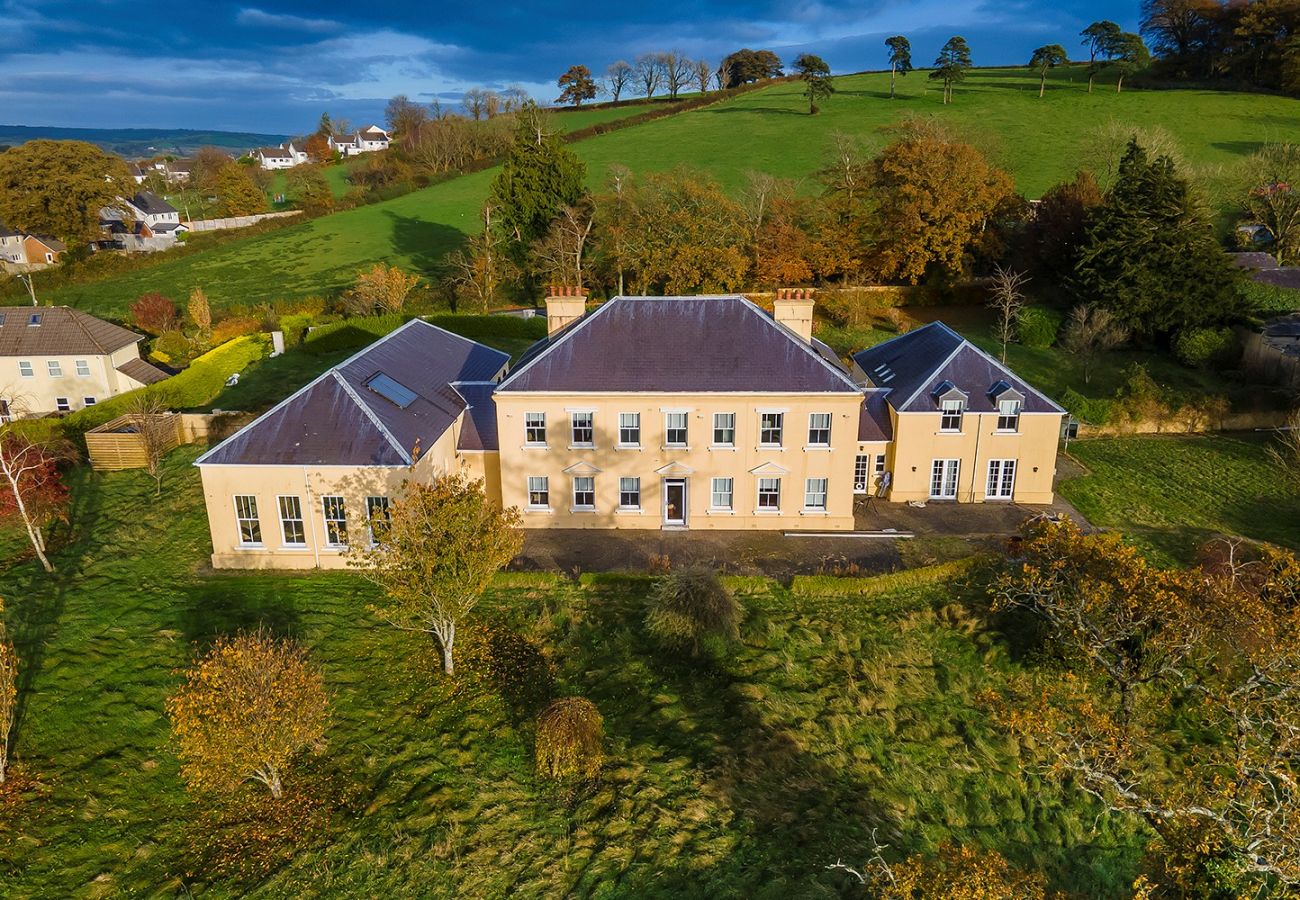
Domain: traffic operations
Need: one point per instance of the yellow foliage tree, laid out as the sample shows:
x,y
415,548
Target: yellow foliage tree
x,y
8,693
246,709
200,311
382,287
569,735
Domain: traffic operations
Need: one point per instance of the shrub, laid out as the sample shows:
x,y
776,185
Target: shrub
x,y
294,327
569,736
1206,347
154,313
173,344
382,288
245,711
233,327
1086,409
1037,326
690,607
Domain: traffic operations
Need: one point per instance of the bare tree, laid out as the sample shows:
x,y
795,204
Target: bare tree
x,y
8,692
559,255
617,77
1286,453
1090,332
514,98
474,102
703,75
756,199
478,272
650,73
32,487
723,75
157,431
1007,299
677,72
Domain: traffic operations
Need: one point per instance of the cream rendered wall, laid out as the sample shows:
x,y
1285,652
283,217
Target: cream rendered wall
x,y
39,394
309,483
698,464
918,442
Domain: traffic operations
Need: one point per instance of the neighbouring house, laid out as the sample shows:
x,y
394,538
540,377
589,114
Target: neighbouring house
x,y
177,171
144,223
271,158
343,144
292,488
59,359
154,214
137,172
23,252
644,413
365,140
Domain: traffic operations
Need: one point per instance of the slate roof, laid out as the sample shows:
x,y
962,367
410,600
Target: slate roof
x,y
150,204
143,372
479,431
1254,259
678,345
273,153
874,423
340,419
63,331
913,365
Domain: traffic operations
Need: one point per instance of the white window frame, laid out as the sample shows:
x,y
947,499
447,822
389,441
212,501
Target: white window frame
x,y
1000,479
769,485
724,423
629,487
532,422
765,430
6,412
54,368
63,404
335,523
939,478
589,427
88,401
948,410
629,423
584,484
881,460
677,421
818,430
82,367
26,369
538,485
861,467
814,489
715,493
286,519
1009,422
248,516
375,502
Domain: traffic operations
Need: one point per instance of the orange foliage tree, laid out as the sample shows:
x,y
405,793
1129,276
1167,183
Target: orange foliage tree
x,y
381,287
8,693
955,873
246,710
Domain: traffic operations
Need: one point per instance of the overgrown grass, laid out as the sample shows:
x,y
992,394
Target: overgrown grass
x,y
834,716
1040,141
1173,493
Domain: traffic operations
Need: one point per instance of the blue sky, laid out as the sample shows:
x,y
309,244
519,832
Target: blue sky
x,y
274,67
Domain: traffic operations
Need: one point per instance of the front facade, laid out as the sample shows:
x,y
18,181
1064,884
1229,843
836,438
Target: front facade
x,y
56,359
645,413
22,252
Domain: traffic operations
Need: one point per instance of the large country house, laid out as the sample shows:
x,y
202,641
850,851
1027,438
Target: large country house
x,y
645,413
59,359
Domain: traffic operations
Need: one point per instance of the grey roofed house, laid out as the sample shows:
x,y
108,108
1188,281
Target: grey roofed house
x,y
59,330
150,204
374,408
273,152
921,366
678,345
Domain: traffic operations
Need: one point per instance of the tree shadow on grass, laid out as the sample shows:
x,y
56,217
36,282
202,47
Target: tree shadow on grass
x,y
426,243
726,110
223,606
1238,148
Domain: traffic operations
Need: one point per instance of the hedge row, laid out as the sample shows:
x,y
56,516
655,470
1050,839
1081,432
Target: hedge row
x,y
835,586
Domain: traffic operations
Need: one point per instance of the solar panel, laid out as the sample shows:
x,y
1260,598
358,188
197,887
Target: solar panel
x,y
397,394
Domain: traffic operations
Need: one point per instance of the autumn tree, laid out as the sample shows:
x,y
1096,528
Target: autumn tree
x,y
954,873
238,193
31,486
381,287
1102,40
1047,57
478,272
650,73
576,86
58,188
435,556
617,77
1006,299
951,65
900,59
156,431
933,198
200,311
8,692
309,188
614,238
1089,332
318,149
1055,232
155,313
816,77
1272,197
247,708
570,734
404,116
690,608
204,166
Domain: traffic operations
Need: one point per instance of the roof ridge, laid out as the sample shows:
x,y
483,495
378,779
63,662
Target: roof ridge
x,y
371,415
806,346
75,315
565,334
1002,367
906,334
961,342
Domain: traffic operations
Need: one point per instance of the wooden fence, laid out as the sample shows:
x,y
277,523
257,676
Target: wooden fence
x,y
118,443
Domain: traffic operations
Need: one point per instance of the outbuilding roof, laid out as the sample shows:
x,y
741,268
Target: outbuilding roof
x,y
59,331
915,365
874,423
373,409
150,204
677,345
143,372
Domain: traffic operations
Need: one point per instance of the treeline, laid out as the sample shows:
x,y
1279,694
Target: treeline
x,y
1254,43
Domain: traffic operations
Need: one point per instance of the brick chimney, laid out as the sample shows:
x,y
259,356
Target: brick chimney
x,y
793,308
564,304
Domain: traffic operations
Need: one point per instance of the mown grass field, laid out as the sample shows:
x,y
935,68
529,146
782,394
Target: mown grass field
x,y
744,778
1040,141
1172,493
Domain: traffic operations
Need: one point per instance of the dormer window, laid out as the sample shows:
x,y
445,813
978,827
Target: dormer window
x,y
1008,415
950,415
34,320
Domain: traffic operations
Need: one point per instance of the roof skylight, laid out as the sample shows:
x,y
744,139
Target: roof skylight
x,y
883,374
391,390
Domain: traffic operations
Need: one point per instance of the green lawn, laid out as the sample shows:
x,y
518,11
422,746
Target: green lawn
x,y
1038,141
835,716
1173,493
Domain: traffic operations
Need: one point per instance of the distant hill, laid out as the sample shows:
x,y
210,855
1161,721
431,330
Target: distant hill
x,y
140,142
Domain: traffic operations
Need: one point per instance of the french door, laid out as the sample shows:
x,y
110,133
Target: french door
x,y
943,479
675,501
1002,480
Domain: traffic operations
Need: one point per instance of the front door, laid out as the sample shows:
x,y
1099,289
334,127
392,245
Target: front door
x,y
675,501
943,479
